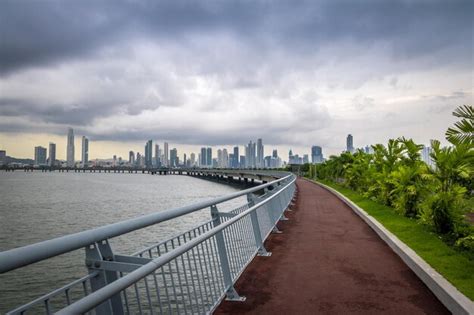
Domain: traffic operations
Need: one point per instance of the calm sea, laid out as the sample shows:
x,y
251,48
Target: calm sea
x,y
39,206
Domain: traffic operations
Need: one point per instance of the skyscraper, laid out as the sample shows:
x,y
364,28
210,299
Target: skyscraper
x,y
316,154
203,158
52,154
275,154
260,150
70,148
225,158
149,154
166,156
157,155
250,157
40,155
219,158
174,161
235,162
131,158
209,157
350,143
193,159
85,151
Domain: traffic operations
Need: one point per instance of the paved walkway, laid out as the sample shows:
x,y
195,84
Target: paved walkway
x,y
328,261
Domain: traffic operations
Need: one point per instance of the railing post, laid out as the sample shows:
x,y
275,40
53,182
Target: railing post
x,y
256,228
231,293
95,253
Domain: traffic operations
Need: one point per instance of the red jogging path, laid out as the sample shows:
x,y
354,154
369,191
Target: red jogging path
x,y
328,261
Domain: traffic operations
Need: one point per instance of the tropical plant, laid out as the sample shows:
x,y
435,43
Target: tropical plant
x,y
463,130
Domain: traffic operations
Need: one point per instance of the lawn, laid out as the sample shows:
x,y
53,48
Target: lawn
x,y
454,265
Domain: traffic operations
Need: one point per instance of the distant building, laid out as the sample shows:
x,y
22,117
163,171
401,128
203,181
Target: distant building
x,y
40,156
274,154
203,158
350,143
70,148
250,155
157,155
131,158
235,160
85,151
149,154
243,161
225,158
193,160
52,154
260,152
3,157
305,159
174,160
209,157
426,155
114,161
316,154
166,161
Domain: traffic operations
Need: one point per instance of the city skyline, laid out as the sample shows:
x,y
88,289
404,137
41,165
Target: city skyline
x,y
307,74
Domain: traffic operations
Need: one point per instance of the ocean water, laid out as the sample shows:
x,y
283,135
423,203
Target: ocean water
x,y
39,206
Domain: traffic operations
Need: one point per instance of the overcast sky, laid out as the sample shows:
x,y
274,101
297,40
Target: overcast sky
x,y
221,73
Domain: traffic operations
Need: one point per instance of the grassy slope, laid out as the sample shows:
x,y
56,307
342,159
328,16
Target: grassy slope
x,y
456,267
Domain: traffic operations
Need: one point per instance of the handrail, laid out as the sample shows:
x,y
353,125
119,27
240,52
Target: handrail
x,y
22,256
101,295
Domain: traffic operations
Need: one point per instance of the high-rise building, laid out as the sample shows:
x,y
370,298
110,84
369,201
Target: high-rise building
x,y
350,143
40,155
114,161
52,154
426,156
259,163
209,157
184,160
174,161
274,154
225,158
70,148
85,151
250,157
166,161
316,154
157,155
305,159
149,154
3,157
203,158
235,160
219,158
131,158
193,160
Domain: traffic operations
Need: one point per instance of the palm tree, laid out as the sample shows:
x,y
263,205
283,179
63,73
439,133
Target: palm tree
x,y
463,130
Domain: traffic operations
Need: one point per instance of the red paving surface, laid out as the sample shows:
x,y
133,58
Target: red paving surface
x,y
328,261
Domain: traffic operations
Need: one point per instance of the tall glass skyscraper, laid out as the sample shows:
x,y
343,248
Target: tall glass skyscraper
x,y
70,148
85,151
52,154
350,143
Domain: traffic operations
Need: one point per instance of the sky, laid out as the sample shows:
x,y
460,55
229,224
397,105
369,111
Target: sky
x,y
221,73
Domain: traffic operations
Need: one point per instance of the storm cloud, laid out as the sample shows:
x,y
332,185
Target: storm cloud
x,y
224,72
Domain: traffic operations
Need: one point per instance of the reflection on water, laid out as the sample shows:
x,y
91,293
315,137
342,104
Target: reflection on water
x,y
39,206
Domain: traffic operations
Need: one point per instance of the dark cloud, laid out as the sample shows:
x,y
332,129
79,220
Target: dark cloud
x,y
181,70
39,32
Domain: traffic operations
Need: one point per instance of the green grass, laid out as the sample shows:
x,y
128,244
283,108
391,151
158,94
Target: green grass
x,y
454,265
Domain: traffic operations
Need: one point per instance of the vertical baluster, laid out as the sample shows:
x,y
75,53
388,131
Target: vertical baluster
x,y
164,282
150,254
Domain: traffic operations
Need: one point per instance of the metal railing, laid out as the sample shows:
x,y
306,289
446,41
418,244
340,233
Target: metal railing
x,y
189,273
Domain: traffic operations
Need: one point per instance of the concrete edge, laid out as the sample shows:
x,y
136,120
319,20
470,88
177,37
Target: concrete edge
x,y
452,298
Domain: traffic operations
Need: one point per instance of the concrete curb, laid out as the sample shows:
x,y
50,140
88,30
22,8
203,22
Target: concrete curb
x,y
455,301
